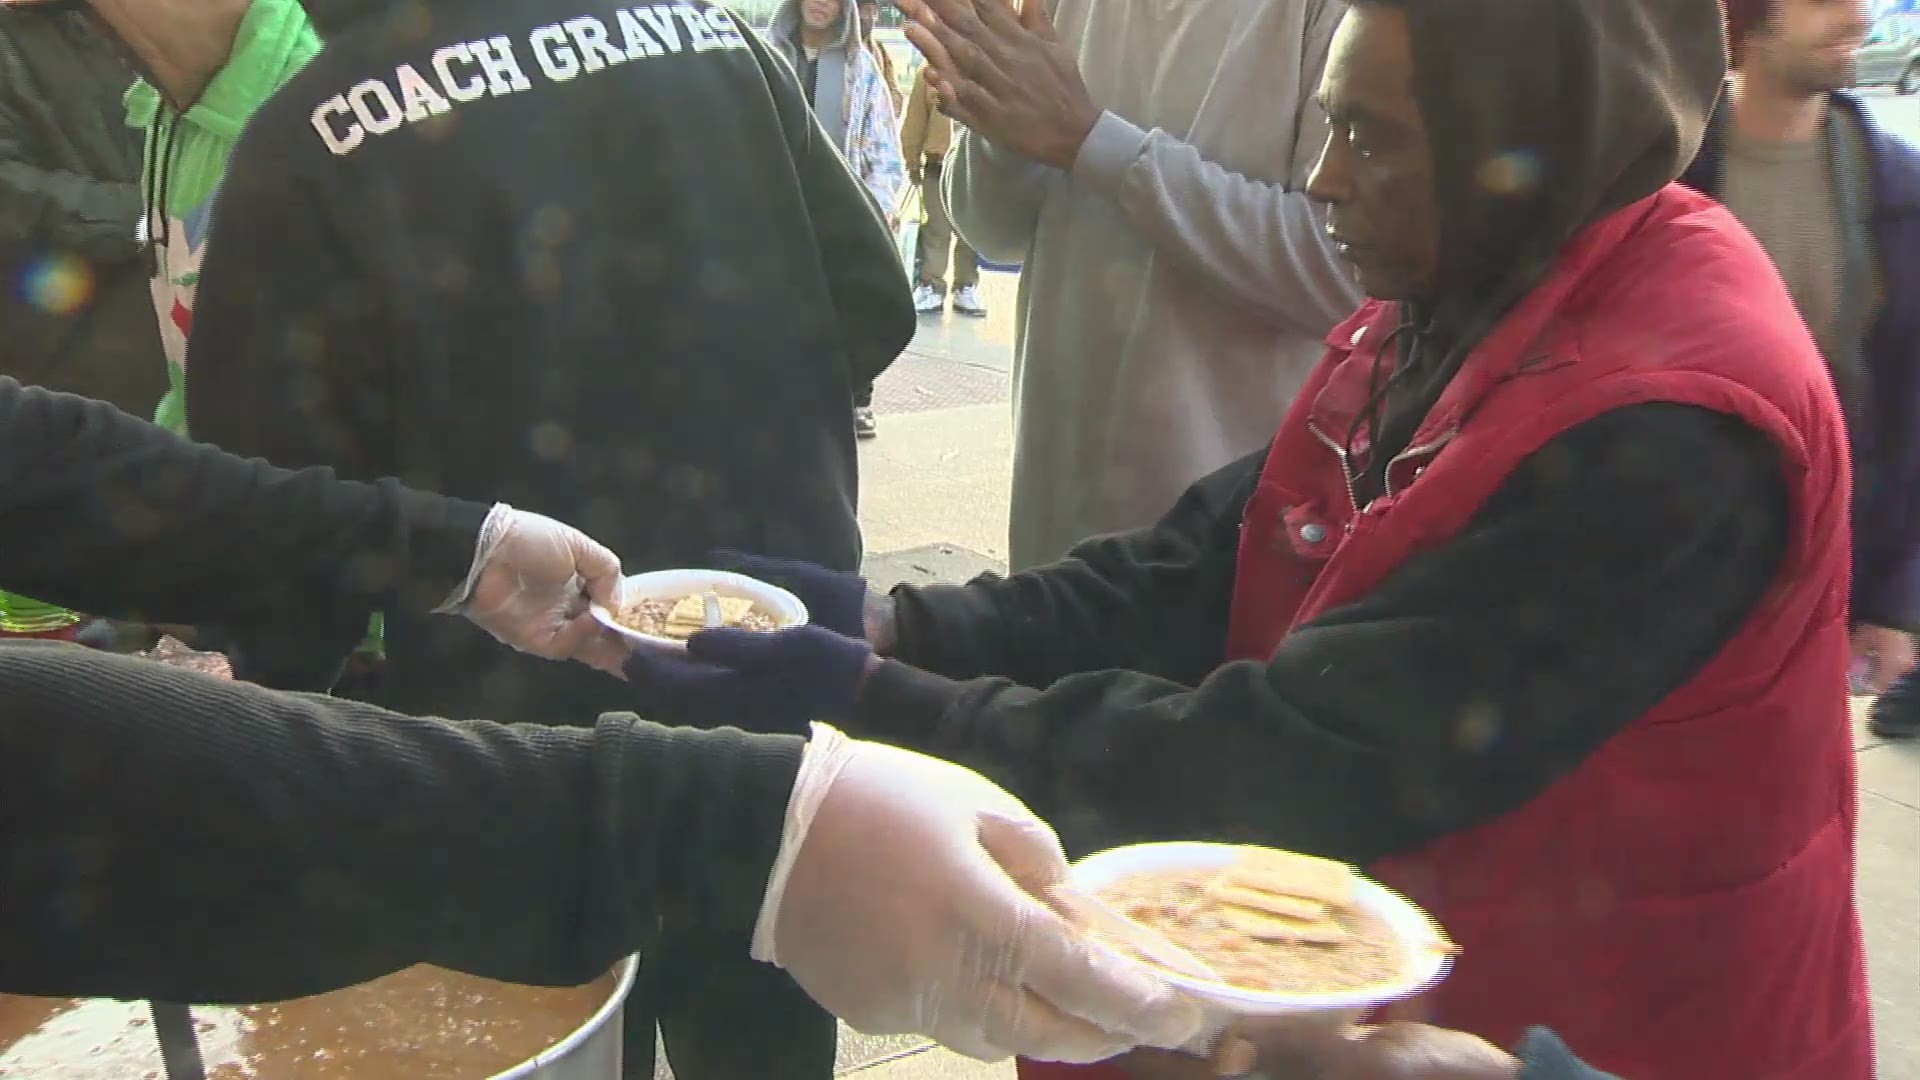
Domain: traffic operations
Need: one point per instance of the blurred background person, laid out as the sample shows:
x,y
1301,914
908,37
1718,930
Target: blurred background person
x,y
853,97
869,12
1178,282
1834,198
926,134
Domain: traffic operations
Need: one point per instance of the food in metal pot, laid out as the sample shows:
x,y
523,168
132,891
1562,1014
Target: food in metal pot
x,y
423,1023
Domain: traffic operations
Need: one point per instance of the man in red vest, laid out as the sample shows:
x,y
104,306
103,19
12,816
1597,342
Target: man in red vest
x,y
1536,607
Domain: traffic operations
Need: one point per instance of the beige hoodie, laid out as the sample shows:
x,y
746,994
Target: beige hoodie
x,y
1178,284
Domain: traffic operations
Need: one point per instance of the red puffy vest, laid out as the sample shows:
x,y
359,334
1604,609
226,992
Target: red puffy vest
x,y
1681,904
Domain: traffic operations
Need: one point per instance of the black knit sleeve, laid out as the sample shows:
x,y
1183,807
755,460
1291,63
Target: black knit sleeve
x,y
168,835
105,513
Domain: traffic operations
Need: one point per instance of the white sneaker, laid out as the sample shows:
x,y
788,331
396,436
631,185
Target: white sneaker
x,y
926,301
966,301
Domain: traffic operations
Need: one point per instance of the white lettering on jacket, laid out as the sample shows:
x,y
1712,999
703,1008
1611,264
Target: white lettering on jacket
x,y
466,72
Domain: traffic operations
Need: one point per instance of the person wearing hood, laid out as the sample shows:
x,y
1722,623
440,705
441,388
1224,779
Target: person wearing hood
x,y
1540,589
601,263
1834,197
853,98
849,92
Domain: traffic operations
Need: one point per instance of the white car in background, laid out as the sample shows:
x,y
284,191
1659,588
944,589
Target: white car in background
x,y
1891,54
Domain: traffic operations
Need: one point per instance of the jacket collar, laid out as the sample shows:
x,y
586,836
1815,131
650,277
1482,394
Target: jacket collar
x,y
1894,163
1507,350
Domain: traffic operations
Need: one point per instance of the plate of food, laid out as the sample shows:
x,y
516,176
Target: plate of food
x,y
662,609
1286,934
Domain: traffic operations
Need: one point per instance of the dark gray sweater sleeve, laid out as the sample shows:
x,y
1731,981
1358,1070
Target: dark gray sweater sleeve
x,y
108,514
168,835
1603,574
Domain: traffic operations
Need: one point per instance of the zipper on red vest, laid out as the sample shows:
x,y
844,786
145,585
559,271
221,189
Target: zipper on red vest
x,y
1414,452
1346,470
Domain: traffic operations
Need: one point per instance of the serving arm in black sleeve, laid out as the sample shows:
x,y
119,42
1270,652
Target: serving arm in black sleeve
x,y
105,513
172,836
1607,570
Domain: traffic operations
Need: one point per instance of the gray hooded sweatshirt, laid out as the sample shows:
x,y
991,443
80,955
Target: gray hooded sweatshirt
x,y
829,94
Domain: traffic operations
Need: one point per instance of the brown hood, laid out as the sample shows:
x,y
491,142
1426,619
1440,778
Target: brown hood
x,y
1544,116
1548,114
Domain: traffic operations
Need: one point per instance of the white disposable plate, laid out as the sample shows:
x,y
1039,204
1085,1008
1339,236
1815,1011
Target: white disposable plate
x,y
673,584
1426,961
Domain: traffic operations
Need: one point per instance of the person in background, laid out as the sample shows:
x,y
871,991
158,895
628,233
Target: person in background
x,y
1467,623
926,134
869,11
1178,283
527,853
853,99
1834,198
652,328
74,310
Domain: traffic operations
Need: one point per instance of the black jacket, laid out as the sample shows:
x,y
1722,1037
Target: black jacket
x,y
76,313
634,294
161,832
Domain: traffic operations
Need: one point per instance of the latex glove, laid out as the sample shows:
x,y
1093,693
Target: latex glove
x,y
530,585
1883,655
900,900
835,599
1330,1052
769,682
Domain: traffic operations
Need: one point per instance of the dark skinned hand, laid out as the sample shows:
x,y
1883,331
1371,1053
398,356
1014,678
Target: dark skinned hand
x,y
1005,75
1315,1052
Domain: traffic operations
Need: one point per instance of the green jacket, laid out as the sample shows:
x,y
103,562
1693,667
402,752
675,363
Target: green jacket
x,y
187,156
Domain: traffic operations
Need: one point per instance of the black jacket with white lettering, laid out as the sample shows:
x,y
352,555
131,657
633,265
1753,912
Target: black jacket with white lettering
x,y
594,261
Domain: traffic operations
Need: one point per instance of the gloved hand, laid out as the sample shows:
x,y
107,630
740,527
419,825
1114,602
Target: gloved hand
x,y
769,682
834,599
902,901
530,585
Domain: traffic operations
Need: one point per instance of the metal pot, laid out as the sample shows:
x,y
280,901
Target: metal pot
x,y
592,1052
